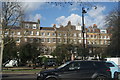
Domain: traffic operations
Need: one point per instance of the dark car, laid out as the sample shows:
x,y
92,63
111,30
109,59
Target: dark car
x,y
49,64
77,70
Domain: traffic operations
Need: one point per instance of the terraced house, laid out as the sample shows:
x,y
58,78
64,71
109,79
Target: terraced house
x,y
49,37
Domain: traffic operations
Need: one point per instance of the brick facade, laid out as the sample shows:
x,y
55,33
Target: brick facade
x,y
50,36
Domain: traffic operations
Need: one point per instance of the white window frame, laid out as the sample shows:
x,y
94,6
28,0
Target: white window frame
x,y
75,34
59,34
59,40
18,33
42,40
34,26
18,40
31,40
105,37
108,37
80,35
48,40
48,34
25,39
12,33
65,34
53,34
80,41
54,39
37,33
31,32
42,33
64,40
6,32
27,26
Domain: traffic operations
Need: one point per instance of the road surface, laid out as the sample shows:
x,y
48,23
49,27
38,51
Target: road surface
x,y
19,76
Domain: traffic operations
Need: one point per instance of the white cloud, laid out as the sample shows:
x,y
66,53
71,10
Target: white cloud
x,y
74,7
29,7
34,17
93,16
96,16
95,12
37,16
74,18
32,6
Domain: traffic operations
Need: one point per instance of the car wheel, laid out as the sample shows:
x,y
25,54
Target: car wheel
x,y
101,78
38,79
51,79
115,75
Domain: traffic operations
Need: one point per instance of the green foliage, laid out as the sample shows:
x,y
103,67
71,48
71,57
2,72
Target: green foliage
x,y
80,51
44,60
63,52
29,52
10,49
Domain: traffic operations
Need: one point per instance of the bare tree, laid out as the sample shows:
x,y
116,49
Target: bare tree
x,y
11,14
113,19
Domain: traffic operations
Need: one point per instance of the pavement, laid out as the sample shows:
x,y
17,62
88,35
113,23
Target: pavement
x,y
19,76
20,73
15,68
22,70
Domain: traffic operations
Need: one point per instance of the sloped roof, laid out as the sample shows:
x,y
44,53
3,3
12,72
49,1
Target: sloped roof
x,y
14,27
47,28
29,22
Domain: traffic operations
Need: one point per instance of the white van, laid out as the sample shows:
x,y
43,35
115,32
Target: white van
x,y
11,63
115,60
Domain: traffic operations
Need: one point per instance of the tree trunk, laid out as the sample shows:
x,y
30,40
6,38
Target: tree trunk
x,y
1,56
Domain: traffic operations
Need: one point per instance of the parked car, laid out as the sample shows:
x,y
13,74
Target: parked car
x,y
51,63
113,68
116,60
10,63
77,70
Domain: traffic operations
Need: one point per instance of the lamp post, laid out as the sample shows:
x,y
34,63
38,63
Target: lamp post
x,y
83,26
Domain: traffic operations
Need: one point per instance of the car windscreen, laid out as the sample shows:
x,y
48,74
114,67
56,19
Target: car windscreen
x,y
63,65
109,64
100,64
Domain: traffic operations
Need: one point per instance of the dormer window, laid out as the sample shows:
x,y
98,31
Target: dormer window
x,y
34,26
103,31
27,26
